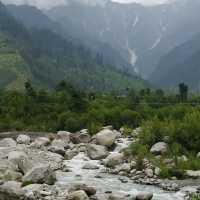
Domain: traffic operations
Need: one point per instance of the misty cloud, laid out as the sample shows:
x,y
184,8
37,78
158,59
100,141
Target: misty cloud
x,y
39,3
46,4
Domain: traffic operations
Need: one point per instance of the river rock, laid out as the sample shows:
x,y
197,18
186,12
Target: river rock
x,y
79,138
144,196
90,191
96,152
39,174
69,154
8,142
114,159
159,148
106,137
64,135
41,142
115,197
90,166
11,190
157,171
58,146
198,155
78,195
33,191
125,167
149,173
18,161
193,174
23,139
183,158
11,175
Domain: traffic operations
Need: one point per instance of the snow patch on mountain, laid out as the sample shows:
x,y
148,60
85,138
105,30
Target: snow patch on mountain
x,y
156,43
135,21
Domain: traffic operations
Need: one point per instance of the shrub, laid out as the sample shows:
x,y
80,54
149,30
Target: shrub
x,y
167,172
138,149
94,127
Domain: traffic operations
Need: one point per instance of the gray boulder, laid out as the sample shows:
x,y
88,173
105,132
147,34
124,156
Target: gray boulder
x,y
144,196
114,159
90,166
23,139
159,148
90,191
11,175
64,135
39,174
198,155
193,174
78,195
96,152
58,146
106,137
11,190
78,138
8,142
149,173
41,142
18,161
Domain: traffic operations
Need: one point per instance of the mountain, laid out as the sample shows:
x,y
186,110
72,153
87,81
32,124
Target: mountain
x,y
45,58
33,18
182,64
141,34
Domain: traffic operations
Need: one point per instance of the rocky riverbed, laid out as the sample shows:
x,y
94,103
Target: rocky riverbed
x,y
79,167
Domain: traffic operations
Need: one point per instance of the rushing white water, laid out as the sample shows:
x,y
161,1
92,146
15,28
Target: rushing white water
x,y
107,182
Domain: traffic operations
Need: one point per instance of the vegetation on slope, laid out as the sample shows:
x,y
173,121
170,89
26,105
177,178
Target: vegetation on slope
x,y
46,58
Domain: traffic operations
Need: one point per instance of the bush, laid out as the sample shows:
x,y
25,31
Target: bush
x,y
94,128
138,149
195,197
167,172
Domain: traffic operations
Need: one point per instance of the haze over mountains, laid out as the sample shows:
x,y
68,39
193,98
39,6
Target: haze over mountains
x,y
136,39
30,52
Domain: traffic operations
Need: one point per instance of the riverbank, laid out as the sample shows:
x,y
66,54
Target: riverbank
x,y
64,165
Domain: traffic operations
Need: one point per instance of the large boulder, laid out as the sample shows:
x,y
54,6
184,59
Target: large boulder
x,y
114,159
58,146
11,190
39,174
96,152
149,173
8,142
23,139
193,174
41,142
78,138
11,175
78,195
64,135
88,189
159,148
106,137
19,161
144,196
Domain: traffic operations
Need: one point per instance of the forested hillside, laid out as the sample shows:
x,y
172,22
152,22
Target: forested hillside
x,y
45,58
180,64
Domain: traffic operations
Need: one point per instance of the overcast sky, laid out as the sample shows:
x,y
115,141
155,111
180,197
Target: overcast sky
x,y
146,2
51,3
